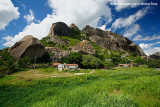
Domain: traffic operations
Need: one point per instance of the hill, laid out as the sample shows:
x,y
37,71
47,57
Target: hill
x,y
65,40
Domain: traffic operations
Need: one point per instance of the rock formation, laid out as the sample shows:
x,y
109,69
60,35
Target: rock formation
x,y
73,26
29,46
112,41
60,29
85,47
57,53
155,56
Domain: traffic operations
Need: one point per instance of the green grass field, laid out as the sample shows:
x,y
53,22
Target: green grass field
x,y
132,87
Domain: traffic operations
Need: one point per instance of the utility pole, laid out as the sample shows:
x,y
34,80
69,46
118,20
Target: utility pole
x,y
35,62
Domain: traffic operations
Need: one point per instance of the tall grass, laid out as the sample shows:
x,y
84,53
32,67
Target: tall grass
x,y
112,88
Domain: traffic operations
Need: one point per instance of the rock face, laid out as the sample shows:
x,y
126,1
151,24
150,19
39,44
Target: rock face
x,y
73,26
57,53
60,29
155,56
28,46
85,47
112,41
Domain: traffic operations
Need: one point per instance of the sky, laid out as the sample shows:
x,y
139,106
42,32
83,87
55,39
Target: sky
x,y
138,20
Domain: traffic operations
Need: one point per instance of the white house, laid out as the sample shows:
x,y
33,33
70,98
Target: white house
x,y
71,66
60,67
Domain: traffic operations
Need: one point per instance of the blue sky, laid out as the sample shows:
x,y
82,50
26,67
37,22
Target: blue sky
x,y
139,22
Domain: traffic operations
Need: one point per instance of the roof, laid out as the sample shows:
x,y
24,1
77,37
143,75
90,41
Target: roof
x,y
71,65
56,63
125,64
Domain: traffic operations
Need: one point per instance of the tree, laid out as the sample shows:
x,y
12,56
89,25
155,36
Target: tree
x,y
139,61
24,62
7,62
75,58
133,54
89,61
116,58
108,64
125,60
153,63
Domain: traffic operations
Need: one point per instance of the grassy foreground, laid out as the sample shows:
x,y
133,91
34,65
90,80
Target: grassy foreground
x,y
134,87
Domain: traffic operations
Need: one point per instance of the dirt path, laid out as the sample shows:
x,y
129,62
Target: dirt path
x,y
37,74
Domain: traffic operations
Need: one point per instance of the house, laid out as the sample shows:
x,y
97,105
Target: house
x,y
60,67
55,65
125,65
71,66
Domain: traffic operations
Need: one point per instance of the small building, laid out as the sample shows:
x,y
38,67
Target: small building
x,y
71,66
60,67
55,65
125,65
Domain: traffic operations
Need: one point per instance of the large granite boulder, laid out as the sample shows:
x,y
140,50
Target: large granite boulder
x,y
57,53
84,47
29,46
60,29
155,56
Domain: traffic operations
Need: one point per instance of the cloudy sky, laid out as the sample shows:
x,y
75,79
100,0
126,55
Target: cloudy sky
x,y
139,20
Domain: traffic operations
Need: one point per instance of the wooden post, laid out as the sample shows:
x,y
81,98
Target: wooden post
x,y
35,62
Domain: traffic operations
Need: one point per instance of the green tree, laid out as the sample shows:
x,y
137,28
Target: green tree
x,y
108,64
6,62
89,61
23,63
116,58
153,63
139,61
125,60
75,57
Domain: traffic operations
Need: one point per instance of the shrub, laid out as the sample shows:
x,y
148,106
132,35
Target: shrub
x,y
153,63
139,61
125,60
89,61
108,64
6,62
24,62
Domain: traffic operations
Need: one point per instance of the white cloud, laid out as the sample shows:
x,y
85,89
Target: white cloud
x,y
80,12
39,31
150,48
129,21
151,51
30,17
7,13
123,4
145,46
129,32
102,27
109,29
147,38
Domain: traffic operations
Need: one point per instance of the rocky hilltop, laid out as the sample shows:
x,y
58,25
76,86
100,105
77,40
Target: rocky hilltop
x,y
112,41
63,40
155,56
104,39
